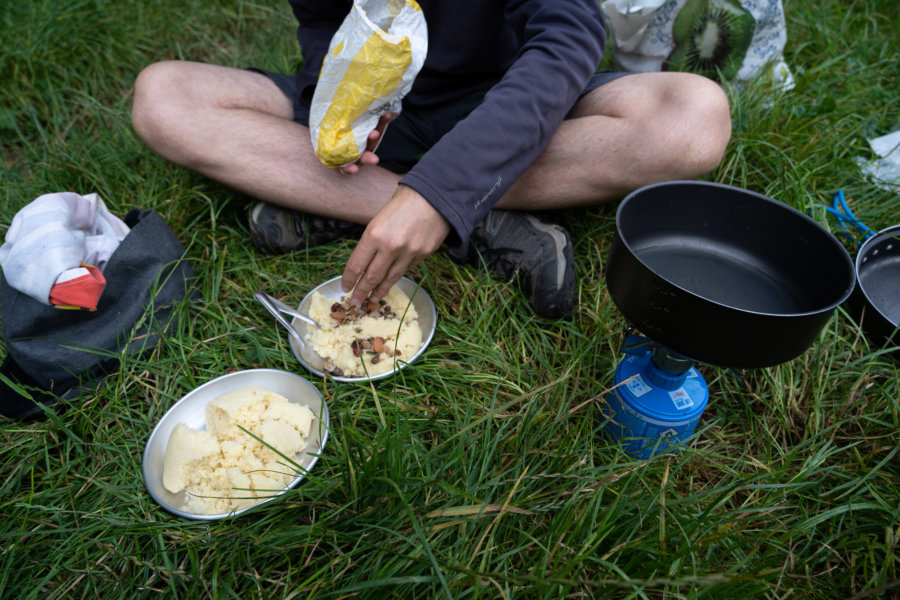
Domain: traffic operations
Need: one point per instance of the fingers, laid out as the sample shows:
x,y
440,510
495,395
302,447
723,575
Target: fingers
x,y
356,267
394,274
372,273
405,231
383,121
368,156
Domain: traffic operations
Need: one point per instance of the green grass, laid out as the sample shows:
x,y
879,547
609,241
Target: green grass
x,y
482,470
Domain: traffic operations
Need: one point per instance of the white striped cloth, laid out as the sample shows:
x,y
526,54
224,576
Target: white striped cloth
x,y
55,234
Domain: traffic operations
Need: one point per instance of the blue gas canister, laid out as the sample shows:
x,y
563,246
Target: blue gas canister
x,y
656,402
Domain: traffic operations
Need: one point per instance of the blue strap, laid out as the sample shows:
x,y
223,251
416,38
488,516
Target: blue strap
x,y
847,220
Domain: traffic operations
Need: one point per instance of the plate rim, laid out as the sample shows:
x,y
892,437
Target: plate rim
x,y
324,419
399,365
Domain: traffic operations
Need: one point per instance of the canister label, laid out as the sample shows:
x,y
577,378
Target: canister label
x,y
637,386
637,431
681,399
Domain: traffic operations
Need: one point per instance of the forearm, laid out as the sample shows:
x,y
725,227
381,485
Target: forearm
x,y
470,169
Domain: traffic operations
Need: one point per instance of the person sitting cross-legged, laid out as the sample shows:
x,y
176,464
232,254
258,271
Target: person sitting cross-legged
x,y
507,118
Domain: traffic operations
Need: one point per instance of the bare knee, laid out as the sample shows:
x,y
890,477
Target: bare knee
x,y
160,103
702,120
685,119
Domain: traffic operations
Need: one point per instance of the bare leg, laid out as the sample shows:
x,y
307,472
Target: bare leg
x,y
631,132
235,127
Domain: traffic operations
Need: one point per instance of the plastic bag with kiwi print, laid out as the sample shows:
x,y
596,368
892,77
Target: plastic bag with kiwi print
x,y
734,41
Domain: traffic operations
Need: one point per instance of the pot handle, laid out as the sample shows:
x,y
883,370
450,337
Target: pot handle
x,y
847,220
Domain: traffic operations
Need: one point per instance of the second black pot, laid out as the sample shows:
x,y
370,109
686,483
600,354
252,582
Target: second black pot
x,y
875,302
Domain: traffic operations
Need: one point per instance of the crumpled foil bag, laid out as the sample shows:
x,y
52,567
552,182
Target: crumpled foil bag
x,y
371,64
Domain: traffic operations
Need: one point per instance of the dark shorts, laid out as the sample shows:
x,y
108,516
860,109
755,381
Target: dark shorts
x,y
414,131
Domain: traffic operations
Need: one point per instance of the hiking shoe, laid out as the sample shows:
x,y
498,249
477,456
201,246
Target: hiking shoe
x,y
277,230
537,256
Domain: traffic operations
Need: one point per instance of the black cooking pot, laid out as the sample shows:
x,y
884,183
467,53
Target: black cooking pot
x,y
875,302
723,275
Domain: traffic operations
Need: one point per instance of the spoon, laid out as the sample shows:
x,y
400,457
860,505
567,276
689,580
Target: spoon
x,y
274,304
277,307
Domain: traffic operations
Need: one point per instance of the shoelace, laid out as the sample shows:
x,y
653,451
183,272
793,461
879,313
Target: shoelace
x,y
323,225
500,260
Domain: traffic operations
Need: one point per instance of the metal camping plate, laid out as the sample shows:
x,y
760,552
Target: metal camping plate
x,y
332,291
190,410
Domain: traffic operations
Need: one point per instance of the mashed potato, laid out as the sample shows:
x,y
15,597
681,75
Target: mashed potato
x,y
209,464
351,335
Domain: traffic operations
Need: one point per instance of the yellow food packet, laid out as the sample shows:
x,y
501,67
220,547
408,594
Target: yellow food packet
x,y
371,64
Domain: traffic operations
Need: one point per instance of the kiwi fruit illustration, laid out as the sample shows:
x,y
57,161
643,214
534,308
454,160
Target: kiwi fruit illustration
x,y
711,38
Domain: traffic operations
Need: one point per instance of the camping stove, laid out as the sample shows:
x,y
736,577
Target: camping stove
x,y
714,273
656,400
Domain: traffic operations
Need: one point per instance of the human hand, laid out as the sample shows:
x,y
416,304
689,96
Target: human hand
x,y
404,232
368,156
